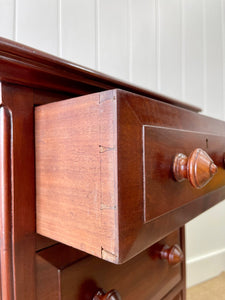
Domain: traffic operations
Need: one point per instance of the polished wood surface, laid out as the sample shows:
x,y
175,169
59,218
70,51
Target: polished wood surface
x,y
177,144
23,188
175,295
47,280
111,295
30,67
144,277
173,254
198,168
178,297
19,209
6,266
64,197
127,143
35,267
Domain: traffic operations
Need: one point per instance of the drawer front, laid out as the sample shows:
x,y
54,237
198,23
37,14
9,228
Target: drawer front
x,y
162,192
104,171
144,277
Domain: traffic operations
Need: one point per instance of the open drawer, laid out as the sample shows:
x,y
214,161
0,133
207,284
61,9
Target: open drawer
x,y
107,181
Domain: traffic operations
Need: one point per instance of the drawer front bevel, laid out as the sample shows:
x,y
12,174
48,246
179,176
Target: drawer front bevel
x,y
162,193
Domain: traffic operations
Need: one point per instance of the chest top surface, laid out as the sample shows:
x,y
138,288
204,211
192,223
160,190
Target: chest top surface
x,y
21,64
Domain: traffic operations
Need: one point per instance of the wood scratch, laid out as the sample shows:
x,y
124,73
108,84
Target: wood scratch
x,y
108,256
103,149
103,206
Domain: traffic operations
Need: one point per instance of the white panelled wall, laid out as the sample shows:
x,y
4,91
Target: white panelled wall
x,y
176,47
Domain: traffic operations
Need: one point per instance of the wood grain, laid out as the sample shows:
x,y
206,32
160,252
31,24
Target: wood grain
x,y
172,254
198,168
101,136
84,170
131,279
61,256
6,267
145,276
134,112
111,295
161,147
20,207
30,67
30,78
23,188
47,280
174,296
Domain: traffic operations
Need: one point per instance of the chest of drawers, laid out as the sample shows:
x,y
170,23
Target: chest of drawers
x,y
98,178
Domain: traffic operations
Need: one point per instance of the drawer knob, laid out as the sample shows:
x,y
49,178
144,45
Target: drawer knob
x,y
173,255
198,168
111,295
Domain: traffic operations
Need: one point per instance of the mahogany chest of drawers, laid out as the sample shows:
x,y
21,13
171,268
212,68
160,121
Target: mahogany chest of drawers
x,y
98,178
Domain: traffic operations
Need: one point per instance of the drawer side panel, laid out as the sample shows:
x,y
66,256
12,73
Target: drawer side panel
x,y
71,204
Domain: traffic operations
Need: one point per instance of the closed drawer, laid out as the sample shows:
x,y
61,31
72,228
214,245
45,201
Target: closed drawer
x,y
104,171
144,277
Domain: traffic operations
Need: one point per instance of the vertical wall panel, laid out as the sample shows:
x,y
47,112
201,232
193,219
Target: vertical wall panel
x,y
7,18
169,30
113,38
193,52
78,31
37,24
205,246
223,52
143,43
209,236
205,234
214,58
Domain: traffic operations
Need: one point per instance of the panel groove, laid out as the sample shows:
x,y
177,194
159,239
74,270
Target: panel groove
x,y
14,21
204,55
130,42
59,28
97,34
183,53
157,30
223,55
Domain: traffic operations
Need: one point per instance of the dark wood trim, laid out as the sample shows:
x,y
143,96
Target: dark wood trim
x,y
6,206
27,66
23,188
20,101
175,292
67,257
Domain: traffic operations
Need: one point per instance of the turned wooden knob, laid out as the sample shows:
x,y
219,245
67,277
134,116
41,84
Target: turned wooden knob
x,y
111,295
198,168
173,255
